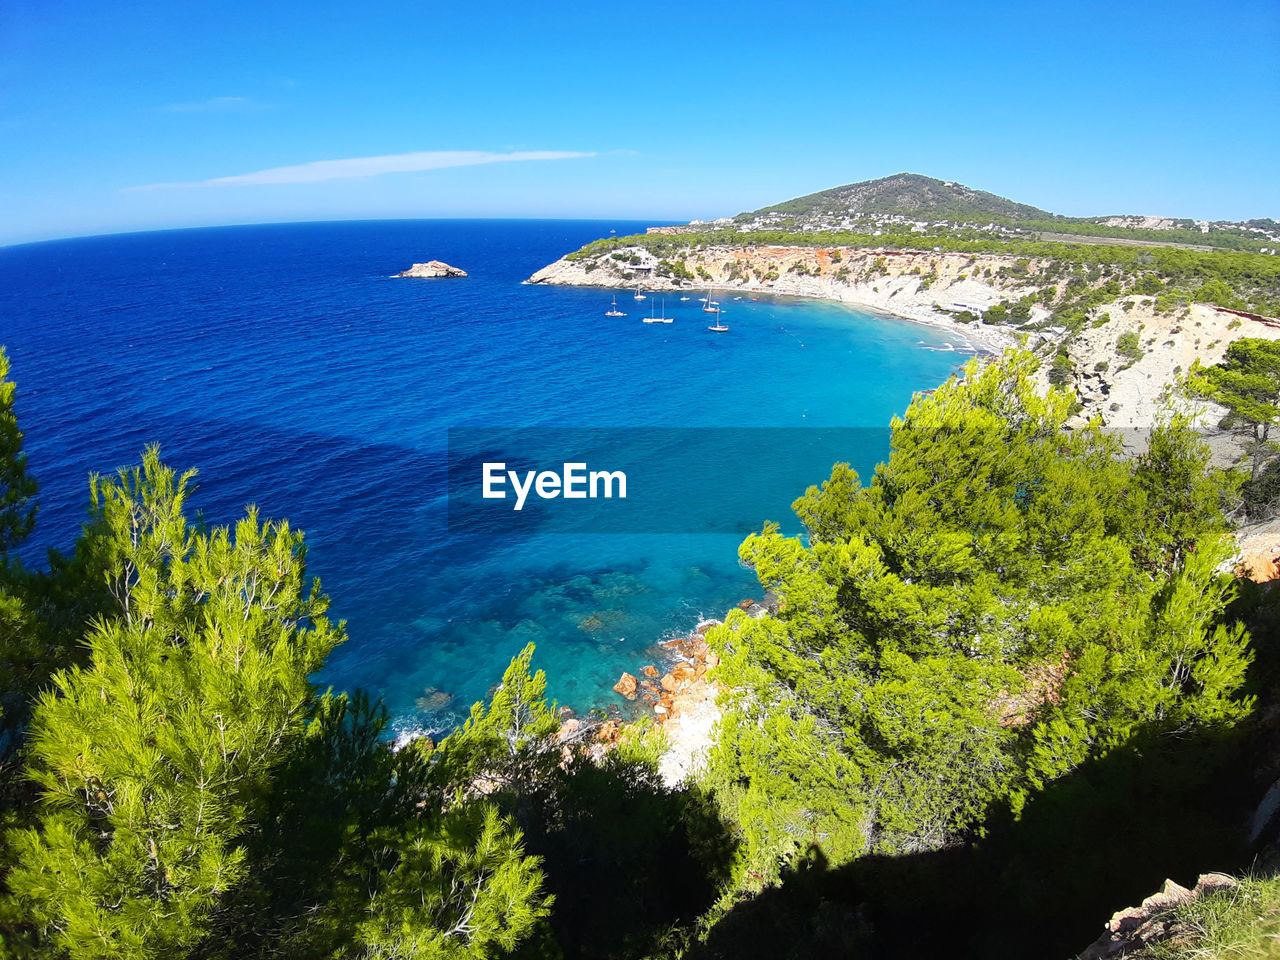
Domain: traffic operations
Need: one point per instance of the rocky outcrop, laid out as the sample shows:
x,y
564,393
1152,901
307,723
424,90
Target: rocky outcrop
x,y
1129,385
431,269
626,686
685,700
1153,921
686,706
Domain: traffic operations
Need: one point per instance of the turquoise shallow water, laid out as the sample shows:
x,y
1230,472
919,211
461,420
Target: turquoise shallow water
x,y
286,364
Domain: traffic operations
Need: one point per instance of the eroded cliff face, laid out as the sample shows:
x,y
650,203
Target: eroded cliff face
x,y
933,288
1131,385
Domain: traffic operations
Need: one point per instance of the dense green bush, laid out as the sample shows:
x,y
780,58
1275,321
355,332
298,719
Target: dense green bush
x,y
1002,602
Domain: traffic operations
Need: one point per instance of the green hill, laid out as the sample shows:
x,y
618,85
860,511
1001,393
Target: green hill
x,y
905,194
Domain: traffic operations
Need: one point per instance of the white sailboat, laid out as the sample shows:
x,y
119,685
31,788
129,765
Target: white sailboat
x,y
712,305
639,295
720,326
613,311
653,318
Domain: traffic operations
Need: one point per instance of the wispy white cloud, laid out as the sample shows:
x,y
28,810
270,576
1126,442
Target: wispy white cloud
x,y
321,170
212,105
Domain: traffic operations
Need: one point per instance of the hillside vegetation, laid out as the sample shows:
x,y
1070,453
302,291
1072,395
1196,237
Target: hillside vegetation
x,y
906,194
911,203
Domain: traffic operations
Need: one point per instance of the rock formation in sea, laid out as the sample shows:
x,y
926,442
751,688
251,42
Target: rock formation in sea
x,y
432,268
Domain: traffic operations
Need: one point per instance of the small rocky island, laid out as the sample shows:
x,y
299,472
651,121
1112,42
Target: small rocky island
x,y
432,268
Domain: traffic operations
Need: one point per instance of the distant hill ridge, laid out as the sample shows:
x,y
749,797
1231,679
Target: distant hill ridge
x,y
919,203
903,194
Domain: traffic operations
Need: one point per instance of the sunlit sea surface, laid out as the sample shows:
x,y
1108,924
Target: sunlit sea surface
x,y
290,368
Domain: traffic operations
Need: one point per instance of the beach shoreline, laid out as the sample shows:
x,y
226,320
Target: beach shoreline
x,y
924,288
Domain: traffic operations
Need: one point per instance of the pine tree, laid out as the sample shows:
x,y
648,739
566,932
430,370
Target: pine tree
x,y
1004,600
17,487
17,517
1247,383
150,757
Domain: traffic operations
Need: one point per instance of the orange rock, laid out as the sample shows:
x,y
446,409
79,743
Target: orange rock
x,y
608,732
626,686
669,683
746,604
1260,567
684,673
648,686
650,671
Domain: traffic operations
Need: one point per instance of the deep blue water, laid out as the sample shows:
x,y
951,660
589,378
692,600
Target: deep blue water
x,y
286,364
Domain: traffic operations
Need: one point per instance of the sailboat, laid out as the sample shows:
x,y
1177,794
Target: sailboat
x,y
721,326
639,295
613,311
712,306
652,318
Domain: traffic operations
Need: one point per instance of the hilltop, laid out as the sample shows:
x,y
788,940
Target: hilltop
x,y
903,194
912,203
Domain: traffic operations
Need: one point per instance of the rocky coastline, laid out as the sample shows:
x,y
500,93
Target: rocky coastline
x,y
928,288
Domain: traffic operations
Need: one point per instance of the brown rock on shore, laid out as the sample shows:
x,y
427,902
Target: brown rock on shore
x,y
626,686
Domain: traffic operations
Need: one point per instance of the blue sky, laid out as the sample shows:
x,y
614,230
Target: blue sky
x,y
135,115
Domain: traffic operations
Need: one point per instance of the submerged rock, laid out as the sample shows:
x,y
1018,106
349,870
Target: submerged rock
x,y
433,700
432,268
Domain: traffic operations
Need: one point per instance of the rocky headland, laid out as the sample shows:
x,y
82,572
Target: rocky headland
x,y
432,269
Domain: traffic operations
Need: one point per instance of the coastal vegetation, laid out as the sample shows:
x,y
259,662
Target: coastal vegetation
x,y
985,649
1235,279
1002,602
922,204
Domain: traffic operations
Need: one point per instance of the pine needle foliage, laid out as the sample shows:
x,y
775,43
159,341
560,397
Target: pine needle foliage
x,y
17,486
199,798
150,757
1004,600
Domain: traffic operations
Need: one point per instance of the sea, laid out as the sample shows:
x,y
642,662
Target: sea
x,y
292,369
